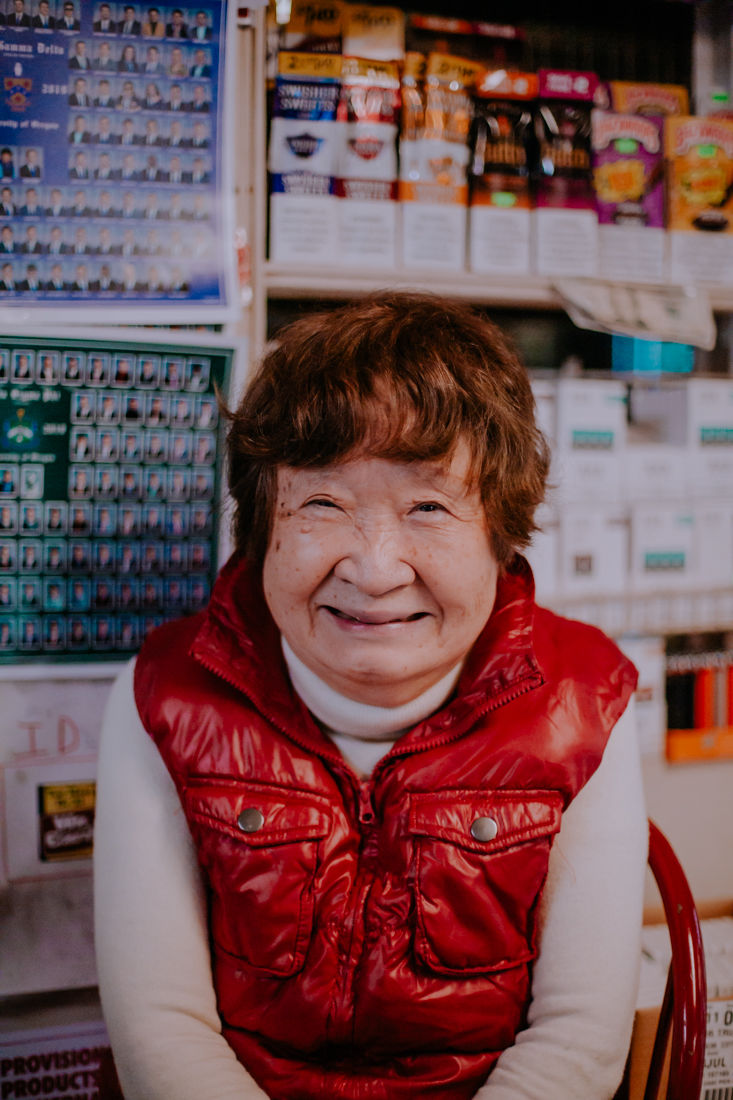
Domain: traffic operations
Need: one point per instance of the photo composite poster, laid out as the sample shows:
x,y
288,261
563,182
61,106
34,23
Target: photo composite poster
x,y
110,476
115,168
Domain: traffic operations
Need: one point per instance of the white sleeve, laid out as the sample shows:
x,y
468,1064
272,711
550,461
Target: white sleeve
x,y
150,926
586,976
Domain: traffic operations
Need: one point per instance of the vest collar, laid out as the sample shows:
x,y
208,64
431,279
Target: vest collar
x,y
239,641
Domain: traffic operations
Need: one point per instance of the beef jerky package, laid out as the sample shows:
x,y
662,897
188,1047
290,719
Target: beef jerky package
x,y
566,226
433,180
700,194
366,171
501,144
302,158
628,175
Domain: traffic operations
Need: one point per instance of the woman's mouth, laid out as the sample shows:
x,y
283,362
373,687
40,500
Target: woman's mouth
x,y
374,618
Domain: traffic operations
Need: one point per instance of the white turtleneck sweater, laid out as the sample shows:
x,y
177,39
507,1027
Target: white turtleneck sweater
x,y
152,937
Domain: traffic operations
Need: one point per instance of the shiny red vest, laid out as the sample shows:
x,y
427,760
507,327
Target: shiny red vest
x,y
373,940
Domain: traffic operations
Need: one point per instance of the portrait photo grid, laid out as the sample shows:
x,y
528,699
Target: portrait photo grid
x,y
109,482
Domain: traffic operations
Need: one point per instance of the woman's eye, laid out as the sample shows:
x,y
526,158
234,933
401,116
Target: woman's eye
x,y
429,506
322,502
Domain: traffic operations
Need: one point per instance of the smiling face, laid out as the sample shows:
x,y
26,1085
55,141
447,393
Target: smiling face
x,y
380,573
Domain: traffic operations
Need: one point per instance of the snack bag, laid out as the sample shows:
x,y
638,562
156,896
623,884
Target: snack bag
x,y
374,32
641,98
314,26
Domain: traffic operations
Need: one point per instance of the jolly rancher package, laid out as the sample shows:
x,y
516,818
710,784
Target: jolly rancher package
x,y
500,203
303,156
366,172
700,194
628,173
566,225
433,184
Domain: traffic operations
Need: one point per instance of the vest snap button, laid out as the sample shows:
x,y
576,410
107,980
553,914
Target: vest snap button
x,y
250,820
484,829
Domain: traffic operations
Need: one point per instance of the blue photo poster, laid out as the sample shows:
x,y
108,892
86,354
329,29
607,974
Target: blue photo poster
x,y
112,183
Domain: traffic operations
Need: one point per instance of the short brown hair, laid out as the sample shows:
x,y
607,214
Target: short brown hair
x,y
395,375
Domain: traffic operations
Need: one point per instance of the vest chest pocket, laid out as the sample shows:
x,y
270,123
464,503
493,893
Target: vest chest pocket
x,y
259,847
480,861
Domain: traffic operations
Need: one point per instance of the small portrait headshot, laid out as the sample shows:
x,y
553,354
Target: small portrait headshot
x,y
197,374
179,484
31,168
7,594
4,364
97,370
79,556
132,408
152,556
54,557
55,516
8,481
48,367
8,517
69,20
29,593
130,483
181,411
123,370
54,595
7,633
131,445
175,557
31,518
80,519
153,484
103,21
43,20
174,593
201,519
176,520
77,635
157,409
204,448
128,632
107,444
54,633
128,520
174,371
81,444
128,594
148,370
109,405
179,450
105,520
105,482
30,556
202,484
32,478
22,366
73,368
79,596
153,521
80,482
156,445
151,593
29,633
104,556
82,407
79,56
128,557
102,632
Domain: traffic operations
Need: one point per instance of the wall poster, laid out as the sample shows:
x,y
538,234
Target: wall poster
x,y
113,161
110,471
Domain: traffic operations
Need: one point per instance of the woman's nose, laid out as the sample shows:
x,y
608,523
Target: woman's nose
x,y
377,562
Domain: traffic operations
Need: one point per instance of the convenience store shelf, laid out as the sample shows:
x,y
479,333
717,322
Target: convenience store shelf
x,y
653,613
530,291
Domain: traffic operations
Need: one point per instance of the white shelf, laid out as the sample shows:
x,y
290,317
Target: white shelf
x,y
653,613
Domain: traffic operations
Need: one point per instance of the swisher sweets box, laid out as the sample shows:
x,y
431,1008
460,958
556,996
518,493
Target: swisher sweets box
x,y
628,175
700,198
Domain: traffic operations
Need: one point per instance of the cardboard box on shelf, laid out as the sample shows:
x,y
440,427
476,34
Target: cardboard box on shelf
x,y
718,1059
591,438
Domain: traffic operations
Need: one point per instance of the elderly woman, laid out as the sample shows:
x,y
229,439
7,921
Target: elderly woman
x,y
371,824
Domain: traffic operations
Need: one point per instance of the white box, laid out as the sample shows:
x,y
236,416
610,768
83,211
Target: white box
x,y
593,553
647,653
710,412
663,548
626,251
434,235
660,412
714,538
543,555
591,436
499,240
303,229
565,242
366,233
700,257
655,471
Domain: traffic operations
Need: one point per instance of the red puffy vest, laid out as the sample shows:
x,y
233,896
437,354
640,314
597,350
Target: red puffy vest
x,y
372,940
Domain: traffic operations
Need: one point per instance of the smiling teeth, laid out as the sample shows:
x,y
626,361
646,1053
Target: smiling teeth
x,y
377,622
